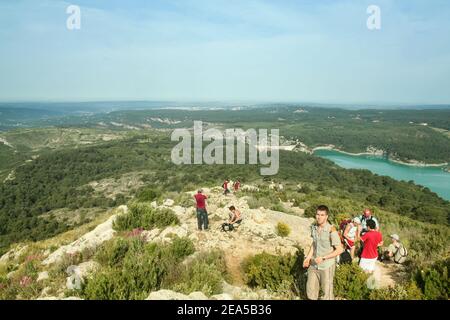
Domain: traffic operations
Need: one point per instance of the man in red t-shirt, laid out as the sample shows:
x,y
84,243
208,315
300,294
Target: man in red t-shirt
x,y
202,214
372,240
236,185
225,187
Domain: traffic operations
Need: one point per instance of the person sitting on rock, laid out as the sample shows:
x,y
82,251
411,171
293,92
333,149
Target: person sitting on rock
x,y
235,216
396,251
234,221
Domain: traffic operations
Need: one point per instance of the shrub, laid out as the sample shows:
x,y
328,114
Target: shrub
x,y
181,248
350,282
148,194
159,218
200,276
205,273
398,292
434,281
283,229
134,268
106,284
112,252
185,200
253,203
143,215
8,291
267,271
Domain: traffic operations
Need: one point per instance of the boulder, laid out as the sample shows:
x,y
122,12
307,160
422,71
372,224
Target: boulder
x,y
197,295
57,298
42,276
13,254
77,274
250,188
180,231
167,295
150,235
91,240
180,212
222,296
264,231
168,203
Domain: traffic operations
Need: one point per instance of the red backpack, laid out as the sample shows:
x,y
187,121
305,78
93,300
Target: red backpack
x,y
342,225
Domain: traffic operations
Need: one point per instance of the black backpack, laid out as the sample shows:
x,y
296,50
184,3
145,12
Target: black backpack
x,y
227,227
345,258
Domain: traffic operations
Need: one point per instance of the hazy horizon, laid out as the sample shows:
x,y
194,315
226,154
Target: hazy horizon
x,y
199,51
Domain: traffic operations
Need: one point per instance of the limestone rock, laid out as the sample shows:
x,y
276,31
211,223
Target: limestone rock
x,y
222,296
77,274
150,235
42,276
197,295
91,240
167,295
168,203
180,231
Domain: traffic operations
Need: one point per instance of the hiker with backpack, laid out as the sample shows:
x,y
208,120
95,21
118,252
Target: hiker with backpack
x,y
202,214
320,260
372,239
225,187
396,251
234,221
350,234
366,216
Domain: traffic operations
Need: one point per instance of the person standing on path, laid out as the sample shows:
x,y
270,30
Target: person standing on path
x,y
320,260
202,214
372,240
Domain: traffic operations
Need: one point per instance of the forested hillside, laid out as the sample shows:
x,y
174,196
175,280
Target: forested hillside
x,y
59,179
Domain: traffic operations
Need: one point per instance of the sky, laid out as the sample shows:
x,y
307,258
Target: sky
x,y
226,50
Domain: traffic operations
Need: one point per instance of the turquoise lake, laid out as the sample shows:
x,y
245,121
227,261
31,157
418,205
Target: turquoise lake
x,y
436,179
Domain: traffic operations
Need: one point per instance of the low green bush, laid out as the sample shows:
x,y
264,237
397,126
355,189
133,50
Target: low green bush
x,y
205,273
434,280
272,272
143,215
408,291
148,194
181,248
112,252
133,268
350,282
283,229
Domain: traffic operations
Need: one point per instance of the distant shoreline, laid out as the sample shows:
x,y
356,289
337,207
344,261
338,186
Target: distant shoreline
x,y
415,163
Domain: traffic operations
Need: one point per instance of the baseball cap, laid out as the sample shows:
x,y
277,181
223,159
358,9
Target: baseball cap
x,y
395,236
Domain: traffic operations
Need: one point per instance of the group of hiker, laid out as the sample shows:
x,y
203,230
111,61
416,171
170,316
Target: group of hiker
x,y
226,186
329,244
235,216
